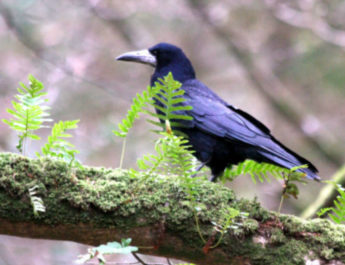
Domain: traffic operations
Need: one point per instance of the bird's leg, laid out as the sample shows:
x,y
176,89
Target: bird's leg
x,y
216,174
199,168
213,178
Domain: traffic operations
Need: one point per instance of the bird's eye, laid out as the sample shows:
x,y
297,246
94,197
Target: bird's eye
x,y
154,52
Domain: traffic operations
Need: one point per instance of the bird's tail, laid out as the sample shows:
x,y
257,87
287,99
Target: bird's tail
x,y
289,159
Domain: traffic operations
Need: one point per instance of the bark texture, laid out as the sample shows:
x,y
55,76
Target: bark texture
x,y
98,205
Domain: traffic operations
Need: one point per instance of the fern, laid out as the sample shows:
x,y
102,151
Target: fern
x,y
180,160
150,162
36,202
140,102
167,92
57,146
338,210
28,113
260,171
110,248
173,157
168,101
229,219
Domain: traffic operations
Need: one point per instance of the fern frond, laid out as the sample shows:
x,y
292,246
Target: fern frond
x,y
260,171
338,210
36,202
151,162
173,157
57,146
140,102
166,97
110,248
179,156
168,101
28,113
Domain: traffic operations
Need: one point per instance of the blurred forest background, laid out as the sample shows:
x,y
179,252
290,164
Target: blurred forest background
x,y
282,61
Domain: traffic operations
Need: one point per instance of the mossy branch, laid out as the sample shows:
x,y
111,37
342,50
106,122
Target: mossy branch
x,y
98,205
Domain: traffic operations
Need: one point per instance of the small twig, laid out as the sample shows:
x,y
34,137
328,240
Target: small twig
x,y
123,152
219,240
120,263
281,202
143,262
198,227
286,184
139,259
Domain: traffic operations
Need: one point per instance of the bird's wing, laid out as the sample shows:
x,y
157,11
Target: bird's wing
x,y
214,116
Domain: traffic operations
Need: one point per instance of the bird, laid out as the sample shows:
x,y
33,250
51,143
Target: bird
x,y
220,134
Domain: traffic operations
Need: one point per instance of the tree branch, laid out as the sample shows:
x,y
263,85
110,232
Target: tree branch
x,y
98,205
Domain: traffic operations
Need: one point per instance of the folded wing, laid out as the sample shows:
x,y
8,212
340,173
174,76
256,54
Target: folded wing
x,y
215,117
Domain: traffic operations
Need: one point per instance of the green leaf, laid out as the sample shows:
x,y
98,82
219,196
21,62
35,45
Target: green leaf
x,y
36,202
106,249
57,146
337,212
28,113
33,136
260,171
166,92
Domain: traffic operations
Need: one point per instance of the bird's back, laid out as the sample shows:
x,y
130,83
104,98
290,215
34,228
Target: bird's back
x,y
223,135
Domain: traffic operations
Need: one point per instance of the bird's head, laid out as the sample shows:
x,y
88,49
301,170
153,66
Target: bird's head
x,y
165,58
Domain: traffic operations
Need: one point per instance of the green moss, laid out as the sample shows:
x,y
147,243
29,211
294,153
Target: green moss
x,y
250,225
109,197
319,234
277,236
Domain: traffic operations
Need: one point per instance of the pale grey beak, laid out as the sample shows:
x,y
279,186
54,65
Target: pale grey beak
x,y
143,56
